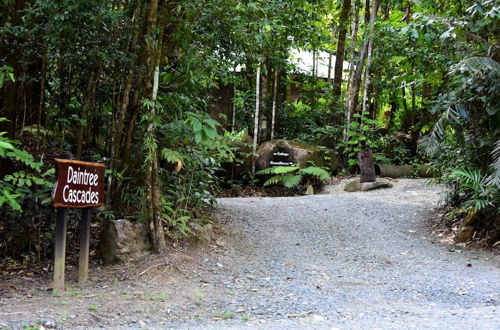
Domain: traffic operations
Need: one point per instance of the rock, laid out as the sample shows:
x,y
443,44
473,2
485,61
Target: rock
x,y
309,190
470,219
300,154
50,324
123,240
464,234
366,186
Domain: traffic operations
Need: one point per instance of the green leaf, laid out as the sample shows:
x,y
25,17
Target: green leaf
x,y
6,145
210,132
273,180
351,133
290,180
197,126
316,171
278,170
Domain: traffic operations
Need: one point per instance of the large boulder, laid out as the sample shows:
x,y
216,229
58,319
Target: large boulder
x,y
123,240
300,154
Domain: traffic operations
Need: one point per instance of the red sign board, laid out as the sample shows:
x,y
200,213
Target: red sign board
x,y
79,184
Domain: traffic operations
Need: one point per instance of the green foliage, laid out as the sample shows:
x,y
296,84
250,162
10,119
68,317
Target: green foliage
x,y
473,191
6,72
361,130
463,144
291,176
18,185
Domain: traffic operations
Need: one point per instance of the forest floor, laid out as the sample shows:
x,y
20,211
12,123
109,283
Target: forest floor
x,y
332,260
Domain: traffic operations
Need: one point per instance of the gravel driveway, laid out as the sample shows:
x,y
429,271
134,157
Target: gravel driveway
x,y
354,260
334,260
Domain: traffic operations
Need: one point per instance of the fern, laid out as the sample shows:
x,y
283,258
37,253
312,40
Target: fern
x,y
278,170
316,171
291,176
273,180
291,180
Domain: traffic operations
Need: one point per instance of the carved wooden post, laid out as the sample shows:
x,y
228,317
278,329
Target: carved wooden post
x,y
367,168
60,242
83,269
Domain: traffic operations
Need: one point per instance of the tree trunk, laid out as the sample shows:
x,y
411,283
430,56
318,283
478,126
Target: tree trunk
x,y
256,118
367,11
314,64
352,50
356,81
275,92
366,90
330,57
413,105
152,60
339,60
153,178
406,124
356,84
233,121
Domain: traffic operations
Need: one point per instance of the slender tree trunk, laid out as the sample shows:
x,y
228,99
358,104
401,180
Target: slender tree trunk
x,y
153,177
356,81
339,60
406,117
426,99
330,56
152,61
275,92
314,64
41,106
366,90
265,81
233,121
413,104
256,118
367,11
352,50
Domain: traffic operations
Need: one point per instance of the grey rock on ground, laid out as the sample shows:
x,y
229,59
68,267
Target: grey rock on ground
x,y
355,185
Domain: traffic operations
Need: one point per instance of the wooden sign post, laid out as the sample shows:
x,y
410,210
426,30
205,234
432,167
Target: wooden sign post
x,y
79,185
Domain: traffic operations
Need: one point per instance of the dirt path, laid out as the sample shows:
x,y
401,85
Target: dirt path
x,y
357,260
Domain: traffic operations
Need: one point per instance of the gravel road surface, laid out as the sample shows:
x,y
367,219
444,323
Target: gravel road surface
x,y
334,260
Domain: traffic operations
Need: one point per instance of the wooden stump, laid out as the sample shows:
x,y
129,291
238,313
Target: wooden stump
x,y
365,160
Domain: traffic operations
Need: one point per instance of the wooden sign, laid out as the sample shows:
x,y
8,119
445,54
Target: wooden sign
x,y
79,184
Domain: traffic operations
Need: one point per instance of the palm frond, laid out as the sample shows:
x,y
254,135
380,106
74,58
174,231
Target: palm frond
x,y
494,177
477,67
